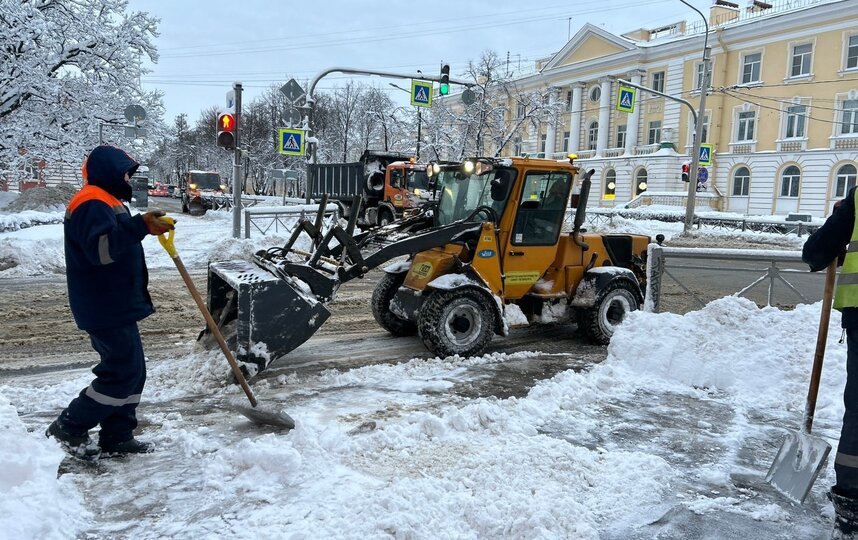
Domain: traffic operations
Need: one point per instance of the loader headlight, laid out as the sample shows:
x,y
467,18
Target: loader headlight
x,y
468,167
192,186
223,187
417,191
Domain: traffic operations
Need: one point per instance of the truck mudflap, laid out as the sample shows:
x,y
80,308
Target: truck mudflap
x,y
597,279
273,315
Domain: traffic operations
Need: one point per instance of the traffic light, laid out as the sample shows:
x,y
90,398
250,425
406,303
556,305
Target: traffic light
x,y
685,169
444,89
226,131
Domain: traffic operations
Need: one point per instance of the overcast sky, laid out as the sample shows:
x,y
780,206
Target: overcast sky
x,y
205,45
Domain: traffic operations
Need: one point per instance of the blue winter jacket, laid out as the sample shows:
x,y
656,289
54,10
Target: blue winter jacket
x,y
105,265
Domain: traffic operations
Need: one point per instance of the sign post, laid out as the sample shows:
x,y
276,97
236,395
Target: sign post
x,y
236,166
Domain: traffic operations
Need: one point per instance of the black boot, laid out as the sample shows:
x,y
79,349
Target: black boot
x,y
131,446
80,446
846,516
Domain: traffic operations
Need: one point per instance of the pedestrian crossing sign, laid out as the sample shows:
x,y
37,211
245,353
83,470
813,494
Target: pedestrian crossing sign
x,y
291,142
626,99
421,93
705,156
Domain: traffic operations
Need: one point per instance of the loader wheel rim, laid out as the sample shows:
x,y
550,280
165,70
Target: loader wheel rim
x,y
615,310
462,325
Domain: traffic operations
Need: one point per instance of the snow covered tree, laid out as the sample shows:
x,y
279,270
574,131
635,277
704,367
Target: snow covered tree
x,y
65,67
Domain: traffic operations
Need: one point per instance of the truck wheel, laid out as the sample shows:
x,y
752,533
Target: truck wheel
x,y
381,297
384,218
613,304
456,322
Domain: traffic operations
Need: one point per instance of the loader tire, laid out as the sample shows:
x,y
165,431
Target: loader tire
x,y
458,322
613,304
381,297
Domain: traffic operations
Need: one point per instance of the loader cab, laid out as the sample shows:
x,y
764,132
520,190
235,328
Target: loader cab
x,y
463,190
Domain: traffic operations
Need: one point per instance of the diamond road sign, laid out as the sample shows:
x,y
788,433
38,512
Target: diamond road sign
x,y
626,99
292,90
421,93
290,142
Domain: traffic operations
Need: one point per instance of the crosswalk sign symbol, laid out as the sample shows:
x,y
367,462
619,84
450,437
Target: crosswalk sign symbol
x,y
705,156
291,142
626,99
421,93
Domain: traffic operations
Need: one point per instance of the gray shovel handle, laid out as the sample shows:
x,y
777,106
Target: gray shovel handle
x,y
821,339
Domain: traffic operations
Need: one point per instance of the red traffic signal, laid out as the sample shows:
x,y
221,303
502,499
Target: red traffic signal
x,y
685,169
226,130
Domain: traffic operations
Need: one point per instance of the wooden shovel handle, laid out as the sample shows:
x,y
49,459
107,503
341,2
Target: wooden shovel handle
x,y
821,339
214,330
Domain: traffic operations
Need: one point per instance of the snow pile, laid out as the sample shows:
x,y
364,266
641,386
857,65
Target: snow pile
x,y
44,199
7,197
34,503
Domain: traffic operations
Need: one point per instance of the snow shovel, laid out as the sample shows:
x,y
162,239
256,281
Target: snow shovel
x,y
254,413
802,455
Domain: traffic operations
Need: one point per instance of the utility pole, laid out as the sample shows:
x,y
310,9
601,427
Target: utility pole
x,y
236,166
698,129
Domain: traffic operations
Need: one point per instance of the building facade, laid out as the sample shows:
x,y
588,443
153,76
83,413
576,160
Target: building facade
x,y
781,110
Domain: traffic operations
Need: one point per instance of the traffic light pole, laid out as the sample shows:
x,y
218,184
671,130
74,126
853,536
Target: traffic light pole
x,y
236,166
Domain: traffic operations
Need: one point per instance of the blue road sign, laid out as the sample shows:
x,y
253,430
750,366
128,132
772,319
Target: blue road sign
x,y
421,93
626,99
291,142
705,156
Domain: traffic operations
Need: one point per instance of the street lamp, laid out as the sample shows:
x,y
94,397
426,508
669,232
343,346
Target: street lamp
x,y
698,128
419,118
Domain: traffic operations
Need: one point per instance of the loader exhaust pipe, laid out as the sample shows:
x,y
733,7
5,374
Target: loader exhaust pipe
x,y
581,211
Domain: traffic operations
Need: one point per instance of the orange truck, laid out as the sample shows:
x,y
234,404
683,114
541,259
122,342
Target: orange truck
x,y
389,183
200,191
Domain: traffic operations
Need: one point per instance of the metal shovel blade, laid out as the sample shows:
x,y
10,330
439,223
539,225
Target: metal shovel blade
x,y
797,464
265,416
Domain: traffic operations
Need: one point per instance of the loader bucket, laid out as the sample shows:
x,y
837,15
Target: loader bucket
x,y
272,315
196,207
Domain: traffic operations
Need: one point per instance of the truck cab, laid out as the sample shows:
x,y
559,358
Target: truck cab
x,y
198,190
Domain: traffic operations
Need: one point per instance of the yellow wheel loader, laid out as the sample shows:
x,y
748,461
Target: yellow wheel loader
x,y
495,239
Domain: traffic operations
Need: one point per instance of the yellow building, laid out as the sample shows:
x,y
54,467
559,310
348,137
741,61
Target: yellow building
x,y
782,111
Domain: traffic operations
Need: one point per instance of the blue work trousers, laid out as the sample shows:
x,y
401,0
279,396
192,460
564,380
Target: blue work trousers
x,y
111,399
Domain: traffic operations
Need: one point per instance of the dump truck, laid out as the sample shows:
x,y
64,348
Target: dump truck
x,y
199,190
495,242
388,183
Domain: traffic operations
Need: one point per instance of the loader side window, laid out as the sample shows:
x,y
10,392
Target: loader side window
x,y
544,199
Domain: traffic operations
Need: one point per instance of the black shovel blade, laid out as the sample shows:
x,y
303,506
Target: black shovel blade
x,y
797,464
266,416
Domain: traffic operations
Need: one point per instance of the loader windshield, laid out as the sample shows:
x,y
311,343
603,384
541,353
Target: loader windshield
x,y
460,195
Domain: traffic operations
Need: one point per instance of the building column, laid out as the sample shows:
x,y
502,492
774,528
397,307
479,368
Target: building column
x,y
575,117
604,117
551,129
632,127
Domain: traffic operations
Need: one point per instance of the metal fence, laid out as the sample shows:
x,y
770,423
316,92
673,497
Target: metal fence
x,y
699,275
282,218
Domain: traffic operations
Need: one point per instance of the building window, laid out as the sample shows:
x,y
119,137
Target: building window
x,y
565,142
692,127
610,184
746,123
569,100
846,179
595,93
852,53
751,68
657,82
640,182
801,55
796,119
621,136
741,182
520,111
698,76
654,133
592,135
790,180
516,146
849,117
543,139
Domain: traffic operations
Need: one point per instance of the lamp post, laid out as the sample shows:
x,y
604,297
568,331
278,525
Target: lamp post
x,y
419,118
698,128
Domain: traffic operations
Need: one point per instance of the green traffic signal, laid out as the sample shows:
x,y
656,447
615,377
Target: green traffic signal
x,y
444,89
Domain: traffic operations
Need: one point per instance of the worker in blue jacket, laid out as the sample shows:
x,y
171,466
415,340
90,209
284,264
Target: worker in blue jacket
x,y
839,233
107,290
